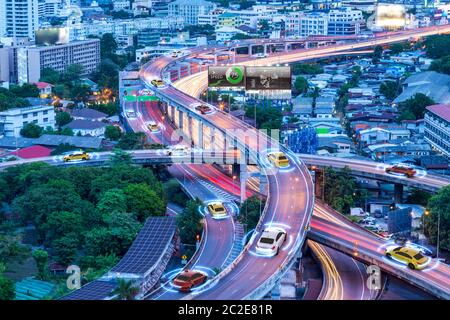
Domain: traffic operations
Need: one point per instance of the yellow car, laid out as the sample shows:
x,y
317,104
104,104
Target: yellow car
x,y
152,126
278,159
78,155
217,210
158,83
413,258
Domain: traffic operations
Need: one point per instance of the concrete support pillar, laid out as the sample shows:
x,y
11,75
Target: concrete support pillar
x,y
190,128
318,181
265,48
243,180
398,193
212,133
180,119
262,183
200,135
236,170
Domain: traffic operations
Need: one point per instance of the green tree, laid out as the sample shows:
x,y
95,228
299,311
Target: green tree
x,y
266,117
144,201
132,141
120,157
7,289
73,73
301,85
339,189
439,207
62,118
125,290
25,90
108,45
41,259
61,223
31,130
390,89
397,48
66,248
414,106
112,200
437,46
250,212
377,53
418,196
306,68
441,65
113,133
189,222
50,75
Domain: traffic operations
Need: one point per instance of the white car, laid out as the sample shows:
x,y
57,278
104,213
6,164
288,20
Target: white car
x,y
131,114
270,242
179,150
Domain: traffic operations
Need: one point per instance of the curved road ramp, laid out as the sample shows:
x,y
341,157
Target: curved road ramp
x,y
143,263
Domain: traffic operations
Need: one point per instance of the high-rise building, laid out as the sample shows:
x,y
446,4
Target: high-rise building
x,y
19,18
190,9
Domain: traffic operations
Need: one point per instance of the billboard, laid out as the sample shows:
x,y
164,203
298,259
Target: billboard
x,y
268,78
390,16
51,36
231,76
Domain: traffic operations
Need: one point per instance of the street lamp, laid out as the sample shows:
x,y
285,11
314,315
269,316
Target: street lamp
x,y
426,213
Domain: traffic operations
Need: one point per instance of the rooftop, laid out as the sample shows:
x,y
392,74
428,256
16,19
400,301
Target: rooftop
x,y
32,152
88,113
441,110
79,142
85,124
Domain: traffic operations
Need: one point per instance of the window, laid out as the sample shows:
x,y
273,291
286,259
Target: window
x,y
45,119
25,115
35,121
35,114
45,112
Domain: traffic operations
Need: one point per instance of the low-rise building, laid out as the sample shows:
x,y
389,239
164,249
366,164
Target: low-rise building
x,y
13,120
88,114
87,128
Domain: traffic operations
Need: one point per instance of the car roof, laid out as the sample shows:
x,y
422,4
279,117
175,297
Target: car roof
x,y
408,250
271,232
277,153
189,273
216,204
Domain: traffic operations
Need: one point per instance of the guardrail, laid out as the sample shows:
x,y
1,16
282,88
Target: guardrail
x,y
372,259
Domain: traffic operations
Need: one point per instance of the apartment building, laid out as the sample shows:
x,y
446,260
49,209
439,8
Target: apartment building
x,y
19,18
437,128
13,120
313,23
32,60
345,21
190,9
